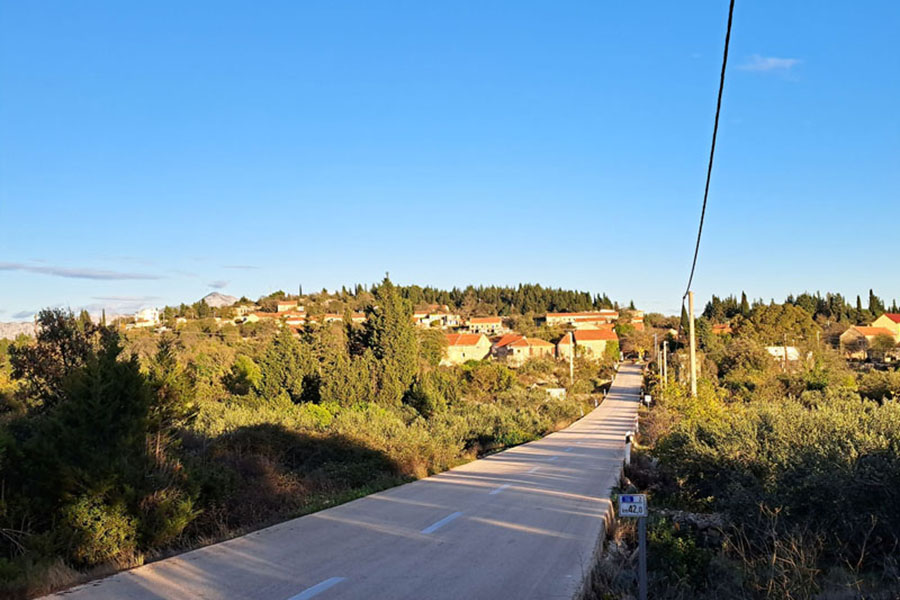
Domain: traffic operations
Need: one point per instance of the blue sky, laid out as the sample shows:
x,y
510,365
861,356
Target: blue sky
x,y
153,152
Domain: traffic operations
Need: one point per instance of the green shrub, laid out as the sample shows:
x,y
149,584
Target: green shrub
x,y
164,516
95,532
833,469
674,554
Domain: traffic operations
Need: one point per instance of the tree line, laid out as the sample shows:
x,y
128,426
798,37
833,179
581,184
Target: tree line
x,y
831,307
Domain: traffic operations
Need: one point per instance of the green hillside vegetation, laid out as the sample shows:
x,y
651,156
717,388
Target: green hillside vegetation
x,y
120,447
772,482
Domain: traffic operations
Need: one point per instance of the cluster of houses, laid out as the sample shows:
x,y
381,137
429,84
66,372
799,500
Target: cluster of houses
x,y
858,341
588,335
290,313
476,338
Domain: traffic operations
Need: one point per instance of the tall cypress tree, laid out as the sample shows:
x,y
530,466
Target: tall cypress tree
x,y
284,365
876,306
173,401
392,338
745,306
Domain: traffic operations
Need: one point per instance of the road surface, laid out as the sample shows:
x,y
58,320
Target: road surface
x,y
523,523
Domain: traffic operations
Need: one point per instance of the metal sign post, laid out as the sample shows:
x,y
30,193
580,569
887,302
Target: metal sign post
x,y
635,506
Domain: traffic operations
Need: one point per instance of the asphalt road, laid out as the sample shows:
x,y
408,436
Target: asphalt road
x,y
523,523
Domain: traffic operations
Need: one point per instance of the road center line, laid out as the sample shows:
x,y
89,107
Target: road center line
x,y
435,526
499,489
569,449
318,588
552,458
534,469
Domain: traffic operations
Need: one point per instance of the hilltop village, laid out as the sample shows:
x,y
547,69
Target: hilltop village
x,y
591,334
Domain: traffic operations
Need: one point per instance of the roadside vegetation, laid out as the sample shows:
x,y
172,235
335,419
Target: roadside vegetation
x,y
779,480
122,447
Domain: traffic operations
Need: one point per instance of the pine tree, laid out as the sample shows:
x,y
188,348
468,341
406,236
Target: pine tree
x,y
84,319
392,338
95,440
62,345
876,306
284,366
173,395
745,306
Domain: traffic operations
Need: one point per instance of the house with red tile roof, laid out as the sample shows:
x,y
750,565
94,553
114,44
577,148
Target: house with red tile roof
x,y
587,342
436,318
891,322
581,320
285,305
722,329
856,341
486,325
516,349
462,347
335,317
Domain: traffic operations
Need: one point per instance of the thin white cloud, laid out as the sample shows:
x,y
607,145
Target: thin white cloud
x,y
126,298
218,284
241,267
769,63
25,314
74,273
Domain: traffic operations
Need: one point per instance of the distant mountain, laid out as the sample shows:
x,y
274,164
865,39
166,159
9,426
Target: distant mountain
x,y
217,300
9,331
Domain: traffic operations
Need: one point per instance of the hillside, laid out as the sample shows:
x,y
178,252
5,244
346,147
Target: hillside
x,y
9,331
217,300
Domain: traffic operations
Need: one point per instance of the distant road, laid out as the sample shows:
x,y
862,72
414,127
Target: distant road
x,y
523,523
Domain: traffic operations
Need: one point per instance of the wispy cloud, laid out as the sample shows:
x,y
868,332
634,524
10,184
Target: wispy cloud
x,y
769,63
23,314
126,298
242,267
74,272
218,285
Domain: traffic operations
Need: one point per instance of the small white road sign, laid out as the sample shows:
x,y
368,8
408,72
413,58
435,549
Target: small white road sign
x,y
633,505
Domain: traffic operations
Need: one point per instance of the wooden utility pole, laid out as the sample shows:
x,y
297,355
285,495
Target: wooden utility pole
x,y
665,367
785,354
656,352
693,345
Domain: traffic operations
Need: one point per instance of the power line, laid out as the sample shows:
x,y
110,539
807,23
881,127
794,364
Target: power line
x,y
712,150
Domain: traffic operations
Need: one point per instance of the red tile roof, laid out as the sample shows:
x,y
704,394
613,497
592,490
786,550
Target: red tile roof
x,y
895,317
463,339
509,338
593,335
873,331
485,320
721,328
524,342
